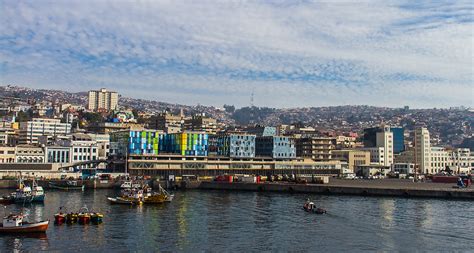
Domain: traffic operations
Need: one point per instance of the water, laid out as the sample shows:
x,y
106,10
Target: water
x,y
199,221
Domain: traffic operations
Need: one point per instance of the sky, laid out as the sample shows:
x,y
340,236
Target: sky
x,y
286,53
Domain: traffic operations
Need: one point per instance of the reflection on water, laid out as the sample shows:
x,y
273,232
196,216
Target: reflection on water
x,y
243,221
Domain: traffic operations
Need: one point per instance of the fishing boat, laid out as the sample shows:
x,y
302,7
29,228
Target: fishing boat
x,y
70,186
84,216
25,194
158,197
14,223
310,207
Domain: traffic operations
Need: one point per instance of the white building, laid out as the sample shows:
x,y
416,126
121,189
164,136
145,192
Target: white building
x,y
462,160
385,140
102,100
30,131
377,155
422,150
29,154
58,154
440,160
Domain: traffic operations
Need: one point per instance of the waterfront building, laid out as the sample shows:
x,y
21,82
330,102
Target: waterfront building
x,y
166,122
259,130
440,160
186,144
201,123
422,150
316,148
142,142
7,154
352,157
372,170
30,131
29,154
277,147
165,164
384,139
233,145
102,100
58,154
462,160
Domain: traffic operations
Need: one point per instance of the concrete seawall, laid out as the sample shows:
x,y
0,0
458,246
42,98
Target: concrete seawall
x,y
421,192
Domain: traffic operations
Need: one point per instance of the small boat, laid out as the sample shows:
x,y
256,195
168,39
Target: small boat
x,y
71,218
124,200
96,217
310,207
70,186
14,223
60,217
158,197
84,216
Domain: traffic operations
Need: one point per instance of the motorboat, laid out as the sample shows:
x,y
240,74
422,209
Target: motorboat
x,y
71,218
14,223
60,217
6,200
310,207
96,217
84,216
124,200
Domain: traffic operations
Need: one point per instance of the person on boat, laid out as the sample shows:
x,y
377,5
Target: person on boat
x,y
306,204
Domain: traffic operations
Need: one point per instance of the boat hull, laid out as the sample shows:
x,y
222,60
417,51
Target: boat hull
x,y
39,227
66,188
122,201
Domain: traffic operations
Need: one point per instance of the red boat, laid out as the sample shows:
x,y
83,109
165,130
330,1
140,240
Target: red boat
x,y
14,224
60,217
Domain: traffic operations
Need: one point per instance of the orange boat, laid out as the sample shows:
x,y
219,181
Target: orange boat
x,y
14,223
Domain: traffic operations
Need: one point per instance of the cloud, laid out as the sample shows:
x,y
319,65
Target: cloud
x,y
289,53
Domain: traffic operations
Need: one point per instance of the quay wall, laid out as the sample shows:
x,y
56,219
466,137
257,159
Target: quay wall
x,y
339,190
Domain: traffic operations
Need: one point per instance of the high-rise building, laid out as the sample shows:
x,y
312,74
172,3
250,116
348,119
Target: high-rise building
x,y
422,150
384,139
370,137
102,100
30,131
398,139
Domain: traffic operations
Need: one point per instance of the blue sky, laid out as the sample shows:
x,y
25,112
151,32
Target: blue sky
x,y
289,53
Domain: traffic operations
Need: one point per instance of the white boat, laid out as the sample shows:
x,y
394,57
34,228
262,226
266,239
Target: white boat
x,y
14,223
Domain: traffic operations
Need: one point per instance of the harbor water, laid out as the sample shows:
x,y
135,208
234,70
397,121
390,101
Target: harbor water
x,y
218,221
